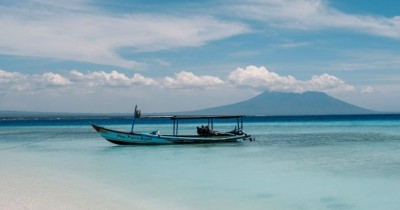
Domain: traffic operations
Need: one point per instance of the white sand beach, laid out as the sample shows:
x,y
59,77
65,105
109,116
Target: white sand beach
x,y
27,185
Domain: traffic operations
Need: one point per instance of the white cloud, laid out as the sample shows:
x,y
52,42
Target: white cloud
x,y
63,4
186,79
14,81
55,79
19,82
114,78
293,44
75,81
327,83
59,30
251,77
367,90
314,14
261,78
7,77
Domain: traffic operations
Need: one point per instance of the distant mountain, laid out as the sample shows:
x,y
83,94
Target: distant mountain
x,y
278,103
267,103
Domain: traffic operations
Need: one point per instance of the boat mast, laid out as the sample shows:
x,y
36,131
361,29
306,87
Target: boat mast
x,y
135,115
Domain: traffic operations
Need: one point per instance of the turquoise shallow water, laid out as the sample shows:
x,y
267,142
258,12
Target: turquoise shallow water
x,y
293,164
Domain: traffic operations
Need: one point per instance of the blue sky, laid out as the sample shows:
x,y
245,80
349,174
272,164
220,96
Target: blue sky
x,y
106,56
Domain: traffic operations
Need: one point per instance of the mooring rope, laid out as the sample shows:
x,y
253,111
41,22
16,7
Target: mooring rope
x,y
32,142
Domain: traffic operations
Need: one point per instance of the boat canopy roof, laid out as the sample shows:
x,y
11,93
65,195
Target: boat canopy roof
x,y
192,117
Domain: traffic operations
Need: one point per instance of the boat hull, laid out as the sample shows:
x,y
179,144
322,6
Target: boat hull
x,y
125,138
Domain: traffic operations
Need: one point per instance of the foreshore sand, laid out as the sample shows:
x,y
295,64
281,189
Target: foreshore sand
x,y
26,186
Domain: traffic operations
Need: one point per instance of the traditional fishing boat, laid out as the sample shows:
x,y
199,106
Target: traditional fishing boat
x,y
205,134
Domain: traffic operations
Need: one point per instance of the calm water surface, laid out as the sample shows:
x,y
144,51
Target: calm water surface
x,y
295,163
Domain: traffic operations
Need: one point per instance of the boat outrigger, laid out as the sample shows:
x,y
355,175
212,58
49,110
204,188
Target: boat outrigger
x,y
205,134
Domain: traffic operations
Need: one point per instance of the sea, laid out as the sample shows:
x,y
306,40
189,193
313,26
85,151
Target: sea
x,y
296,162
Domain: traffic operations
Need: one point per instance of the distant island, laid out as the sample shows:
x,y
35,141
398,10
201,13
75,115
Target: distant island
x,y
283,104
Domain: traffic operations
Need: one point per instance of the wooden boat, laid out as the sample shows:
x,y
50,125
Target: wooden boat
x,y
205,134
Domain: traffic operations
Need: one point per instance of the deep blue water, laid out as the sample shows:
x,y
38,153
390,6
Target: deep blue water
x,y
300,162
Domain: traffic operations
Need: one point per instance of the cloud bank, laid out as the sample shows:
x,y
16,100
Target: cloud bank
x,y
79,32
251,77
314,15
